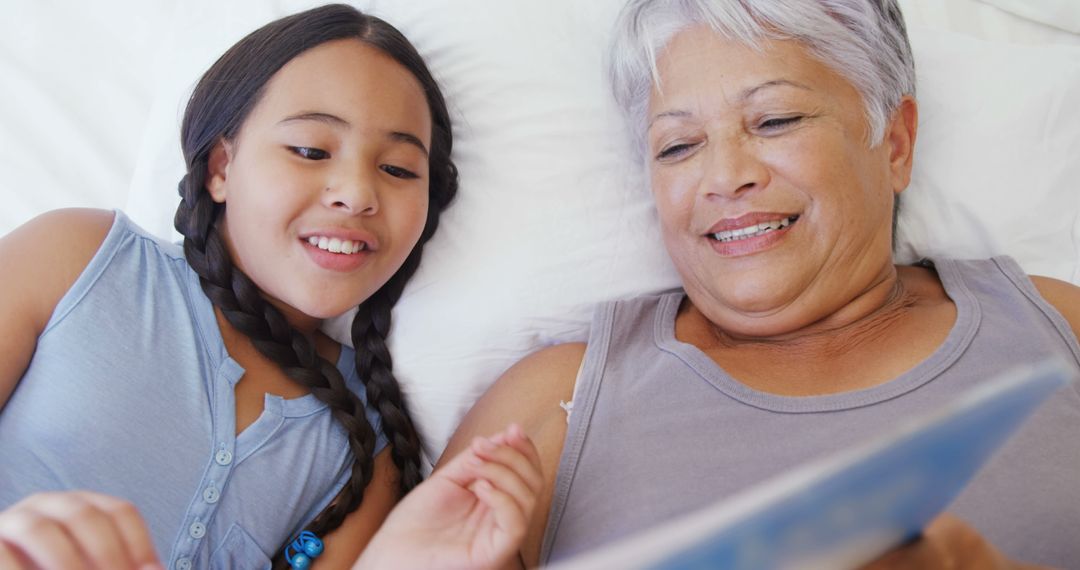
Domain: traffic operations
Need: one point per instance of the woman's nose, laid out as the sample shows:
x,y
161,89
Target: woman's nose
x,y
732,168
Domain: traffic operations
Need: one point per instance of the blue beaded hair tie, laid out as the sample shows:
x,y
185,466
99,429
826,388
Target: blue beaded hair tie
x,y
305,548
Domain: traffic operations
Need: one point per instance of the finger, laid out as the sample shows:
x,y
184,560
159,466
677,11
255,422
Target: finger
x,y
132,529
91,528
963,546
11,558
38,538
519,440
920,553
507,516
505,480
513,458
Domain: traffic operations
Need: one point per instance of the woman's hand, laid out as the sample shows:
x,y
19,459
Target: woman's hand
x,y
947,543
74,530
471,513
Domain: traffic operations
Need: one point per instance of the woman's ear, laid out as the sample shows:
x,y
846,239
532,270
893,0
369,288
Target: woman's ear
x,y
217,170
900,136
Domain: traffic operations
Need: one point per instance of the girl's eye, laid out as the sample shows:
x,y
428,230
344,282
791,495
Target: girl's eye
x,y
310,153
778,123
674,151
398,172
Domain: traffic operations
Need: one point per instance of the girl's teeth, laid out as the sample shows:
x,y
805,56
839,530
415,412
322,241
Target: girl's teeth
x,y
336,245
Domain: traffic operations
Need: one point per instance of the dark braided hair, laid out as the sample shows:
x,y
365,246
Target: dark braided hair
x,y
220,103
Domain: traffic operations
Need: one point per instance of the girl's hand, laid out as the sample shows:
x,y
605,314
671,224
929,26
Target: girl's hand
x,y
947,543
471,513
75,530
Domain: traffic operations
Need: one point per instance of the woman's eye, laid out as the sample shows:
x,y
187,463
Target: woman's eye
x,y
310,153
778,122
674,151
398,172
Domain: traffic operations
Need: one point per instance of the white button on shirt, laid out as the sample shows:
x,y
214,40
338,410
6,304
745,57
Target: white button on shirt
x,y
223,457
197,530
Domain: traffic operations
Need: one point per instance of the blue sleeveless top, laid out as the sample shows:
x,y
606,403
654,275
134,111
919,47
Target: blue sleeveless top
x,y
659,430
130,393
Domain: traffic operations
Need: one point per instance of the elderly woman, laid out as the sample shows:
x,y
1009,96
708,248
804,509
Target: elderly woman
x,y
778,136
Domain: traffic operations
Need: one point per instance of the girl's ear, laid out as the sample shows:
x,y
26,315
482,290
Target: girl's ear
x,y
217,170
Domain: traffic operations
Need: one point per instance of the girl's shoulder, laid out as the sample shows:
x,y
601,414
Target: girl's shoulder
x,y
43,258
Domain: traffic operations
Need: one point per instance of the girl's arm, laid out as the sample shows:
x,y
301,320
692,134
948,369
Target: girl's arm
x,y
40,261
471,513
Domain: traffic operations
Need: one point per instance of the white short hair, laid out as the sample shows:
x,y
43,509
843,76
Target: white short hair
x,y
865,41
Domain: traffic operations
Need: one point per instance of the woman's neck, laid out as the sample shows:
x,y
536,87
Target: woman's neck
x,y
881,333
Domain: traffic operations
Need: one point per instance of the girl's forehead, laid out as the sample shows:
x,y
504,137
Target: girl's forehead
x,y
351,80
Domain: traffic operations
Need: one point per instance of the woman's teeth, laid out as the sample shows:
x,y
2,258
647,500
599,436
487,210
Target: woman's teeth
x,y
755,230
335,245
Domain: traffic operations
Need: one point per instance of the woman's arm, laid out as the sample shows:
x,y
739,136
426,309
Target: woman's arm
x,y
529,394
41,260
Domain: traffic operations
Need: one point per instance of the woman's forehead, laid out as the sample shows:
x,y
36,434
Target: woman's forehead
x,y
700,62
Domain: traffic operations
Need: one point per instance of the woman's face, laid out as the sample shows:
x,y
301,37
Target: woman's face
x,y
326,183
773,204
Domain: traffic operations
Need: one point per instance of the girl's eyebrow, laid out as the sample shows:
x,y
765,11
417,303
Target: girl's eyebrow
x,y
408,139
336,121
332,120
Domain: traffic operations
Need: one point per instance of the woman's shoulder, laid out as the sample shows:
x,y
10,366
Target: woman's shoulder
x,y
534,384
1063,296
528,393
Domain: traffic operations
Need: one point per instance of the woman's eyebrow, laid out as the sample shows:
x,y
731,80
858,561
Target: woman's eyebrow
x,y
679,114
751,91
744,95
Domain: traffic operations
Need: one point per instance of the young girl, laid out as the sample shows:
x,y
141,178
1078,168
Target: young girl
x,y
184,402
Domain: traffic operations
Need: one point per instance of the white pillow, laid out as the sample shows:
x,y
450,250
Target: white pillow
x,y
997,159
1061,14
553,215
985,20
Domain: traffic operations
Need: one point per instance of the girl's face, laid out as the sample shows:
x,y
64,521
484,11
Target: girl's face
x,y
326,183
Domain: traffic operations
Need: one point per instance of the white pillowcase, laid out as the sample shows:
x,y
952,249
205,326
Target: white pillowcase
x,y
1061,14
553,216
997,158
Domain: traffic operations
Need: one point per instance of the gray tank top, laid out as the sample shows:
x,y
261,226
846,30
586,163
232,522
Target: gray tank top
x,y
659,430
